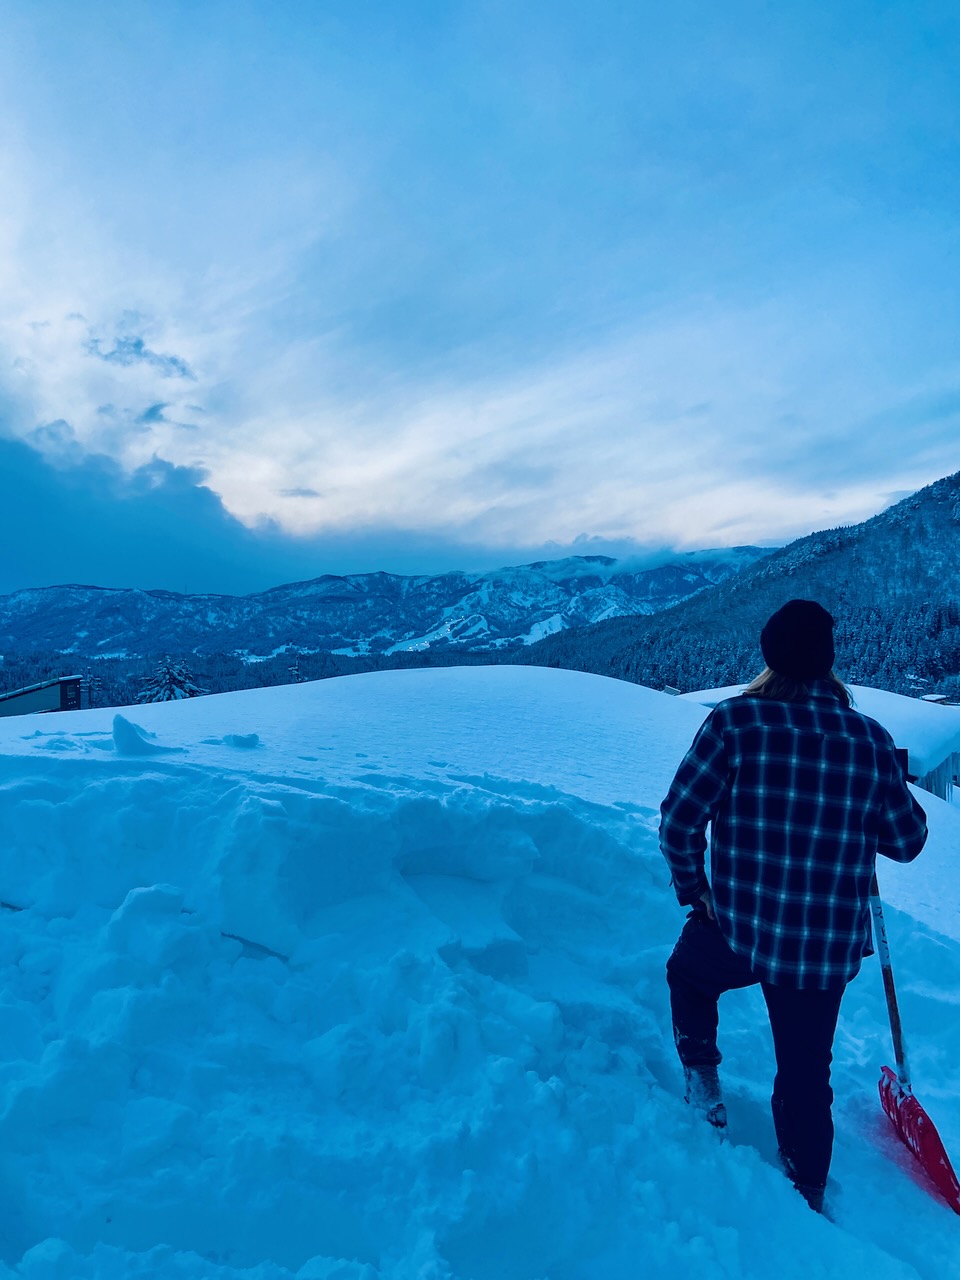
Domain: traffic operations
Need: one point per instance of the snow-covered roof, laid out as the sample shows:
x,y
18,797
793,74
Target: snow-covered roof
x,y
712,697
930,732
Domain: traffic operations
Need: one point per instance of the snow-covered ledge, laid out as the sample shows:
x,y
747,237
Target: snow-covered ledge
x,y
930,732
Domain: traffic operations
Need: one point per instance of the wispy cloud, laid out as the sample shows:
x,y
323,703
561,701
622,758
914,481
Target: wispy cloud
x,y
133,350
153,413
629,276
696,429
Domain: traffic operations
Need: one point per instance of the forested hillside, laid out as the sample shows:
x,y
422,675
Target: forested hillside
x,y
893,584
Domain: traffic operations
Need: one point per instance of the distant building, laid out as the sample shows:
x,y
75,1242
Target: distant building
x,y
62,693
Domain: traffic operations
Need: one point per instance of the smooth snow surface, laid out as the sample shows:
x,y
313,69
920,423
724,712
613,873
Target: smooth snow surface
x,y
364,979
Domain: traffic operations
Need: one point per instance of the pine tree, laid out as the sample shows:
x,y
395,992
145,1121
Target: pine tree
x,y
171,681
94,686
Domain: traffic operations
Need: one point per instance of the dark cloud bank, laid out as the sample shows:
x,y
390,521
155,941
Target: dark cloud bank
x,y
89,522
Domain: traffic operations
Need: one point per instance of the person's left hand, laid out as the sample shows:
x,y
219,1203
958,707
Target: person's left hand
x,y
707,900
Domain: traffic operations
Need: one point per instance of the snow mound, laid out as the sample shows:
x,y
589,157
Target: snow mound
x,y
384,999
130,740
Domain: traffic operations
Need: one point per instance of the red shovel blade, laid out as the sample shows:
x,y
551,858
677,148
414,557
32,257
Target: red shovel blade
x,y
918,1132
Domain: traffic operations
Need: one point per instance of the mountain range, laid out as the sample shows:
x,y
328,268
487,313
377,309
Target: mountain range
x,y
688,622
361,614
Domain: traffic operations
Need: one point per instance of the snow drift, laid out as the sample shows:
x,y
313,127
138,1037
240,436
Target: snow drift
x,y
364,979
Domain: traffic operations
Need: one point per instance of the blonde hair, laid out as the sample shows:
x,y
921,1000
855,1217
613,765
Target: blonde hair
x,y
780,688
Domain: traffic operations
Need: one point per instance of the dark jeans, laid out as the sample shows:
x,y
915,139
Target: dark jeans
x,y
700,969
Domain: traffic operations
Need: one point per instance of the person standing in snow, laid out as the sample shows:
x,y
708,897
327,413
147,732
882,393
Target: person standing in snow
x,y
801,793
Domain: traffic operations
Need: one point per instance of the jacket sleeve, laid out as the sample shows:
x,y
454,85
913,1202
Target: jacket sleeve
x,y
693,798
903,824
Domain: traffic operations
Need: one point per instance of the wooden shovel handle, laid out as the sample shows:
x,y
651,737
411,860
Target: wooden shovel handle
x,y
889,990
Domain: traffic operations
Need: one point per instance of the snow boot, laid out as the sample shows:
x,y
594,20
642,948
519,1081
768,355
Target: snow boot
x,y
704,1095
814,1197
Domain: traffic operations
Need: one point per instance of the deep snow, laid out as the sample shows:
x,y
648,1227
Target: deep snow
x,y
363,979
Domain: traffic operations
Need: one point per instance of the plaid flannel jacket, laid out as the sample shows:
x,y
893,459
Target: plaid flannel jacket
x,y
801,796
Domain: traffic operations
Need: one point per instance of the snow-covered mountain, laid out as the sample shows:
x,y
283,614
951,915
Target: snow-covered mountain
x,y
892,582
361,613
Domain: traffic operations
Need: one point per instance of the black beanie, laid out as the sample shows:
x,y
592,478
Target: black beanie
x,y
798,640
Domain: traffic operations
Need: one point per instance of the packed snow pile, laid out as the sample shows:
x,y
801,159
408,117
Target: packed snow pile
x,y
363,979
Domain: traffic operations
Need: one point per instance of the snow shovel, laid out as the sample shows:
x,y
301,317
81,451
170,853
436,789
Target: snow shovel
x,y
913,1125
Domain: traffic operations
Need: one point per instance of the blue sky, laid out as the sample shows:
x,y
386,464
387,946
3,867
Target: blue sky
x,y
302,288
